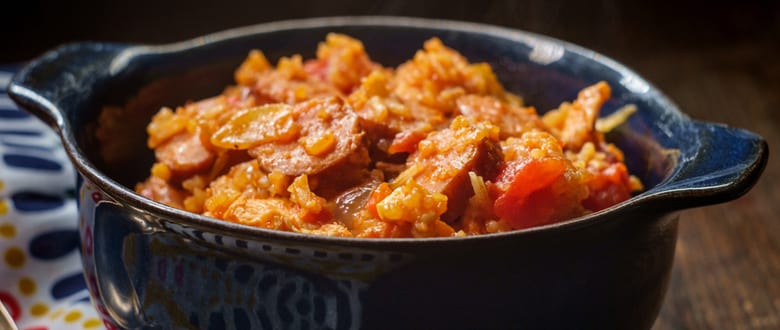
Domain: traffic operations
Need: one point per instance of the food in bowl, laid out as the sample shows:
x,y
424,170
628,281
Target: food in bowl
x,y
340,145
153,266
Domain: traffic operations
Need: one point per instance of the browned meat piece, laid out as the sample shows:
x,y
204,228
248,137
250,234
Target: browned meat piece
x,y
185,154
575,123
347,173
406,141
444,159
382,113
329,133
161,191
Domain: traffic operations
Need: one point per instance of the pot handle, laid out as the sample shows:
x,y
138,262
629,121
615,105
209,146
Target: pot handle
x,y
114,237
62,76
727,162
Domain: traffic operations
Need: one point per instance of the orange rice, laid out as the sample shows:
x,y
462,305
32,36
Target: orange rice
x,y
340,145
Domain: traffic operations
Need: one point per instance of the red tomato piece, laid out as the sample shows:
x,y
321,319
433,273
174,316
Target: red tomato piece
x,y
520,187
608,187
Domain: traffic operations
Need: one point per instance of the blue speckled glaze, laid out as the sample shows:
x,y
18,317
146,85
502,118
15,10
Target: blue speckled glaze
x,y
149,265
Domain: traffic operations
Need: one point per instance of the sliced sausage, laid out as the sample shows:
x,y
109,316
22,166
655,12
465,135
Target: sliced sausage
x,y
444,159
329,133
185,154
161,191
384,116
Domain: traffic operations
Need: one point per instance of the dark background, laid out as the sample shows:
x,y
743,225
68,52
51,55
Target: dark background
x,y
719,60
614,27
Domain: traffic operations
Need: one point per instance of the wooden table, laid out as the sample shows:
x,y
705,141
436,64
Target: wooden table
x,y
718,60
727,268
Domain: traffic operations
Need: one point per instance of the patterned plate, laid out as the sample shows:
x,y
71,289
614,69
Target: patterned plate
x,y
41,282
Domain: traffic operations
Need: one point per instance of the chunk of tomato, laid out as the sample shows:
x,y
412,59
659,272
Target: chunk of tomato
x,y
608,187
522,188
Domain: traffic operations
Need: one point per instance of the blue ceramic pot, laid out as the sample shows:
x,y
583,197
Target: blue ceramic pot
x,y
152,266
